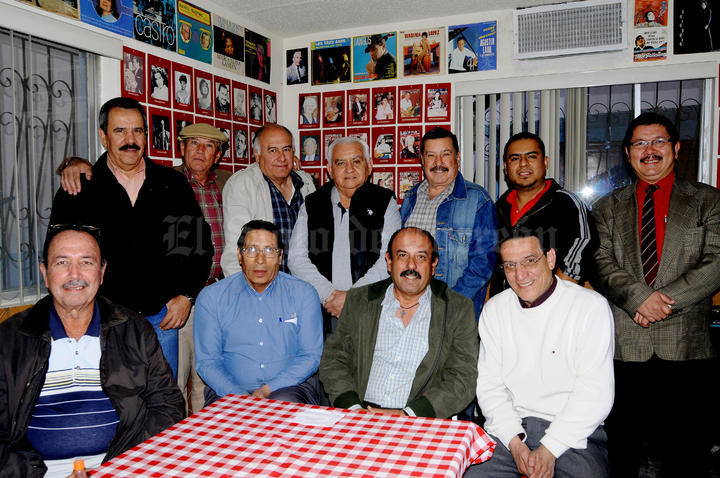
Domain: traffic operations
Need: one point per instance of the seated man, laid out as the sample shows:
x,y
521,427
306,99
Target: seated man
x,y
405,345
80,377
545,372
259,332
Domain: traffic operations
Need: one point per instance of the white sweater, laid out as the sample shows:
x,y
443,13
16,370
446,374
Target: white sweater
x,y
553,361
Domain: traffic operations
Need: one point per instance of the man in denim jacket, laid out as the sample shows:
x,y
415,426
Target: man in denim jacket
x,y
458,213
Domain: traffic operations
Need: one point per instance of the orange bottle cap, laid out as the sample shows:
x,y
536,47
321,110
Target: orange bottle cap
x,y
78,465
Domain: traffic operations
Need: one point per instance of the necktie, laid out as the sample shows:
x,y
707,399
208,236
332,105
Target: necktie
x,y
648,239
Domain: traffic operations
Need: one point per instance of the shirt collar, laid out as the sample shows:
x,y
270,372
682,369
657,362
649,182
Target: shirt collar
x,y
57,329
543,297
391,300
664,183
189,176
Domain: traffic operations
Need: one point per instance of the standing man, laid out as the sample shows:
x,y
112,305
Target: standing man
x,y
260,332
80,376
540,206
406,345
268,189
659,266
545,374
458,213
157,243
339,236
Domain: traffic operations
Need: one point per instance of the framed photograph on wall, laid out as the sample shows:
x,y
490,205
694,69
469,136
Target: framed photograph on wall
x,y
158,80
180,120
160,141
407,177
428,127
310,148
437,101
296,66
409,144
410,101
182,79
270,99
253,131
239,101
226,128
132,80
358,107
330,135
223,108
256,105
241,144
363,134
204,93
333,109
384,105
309,107
382,146
384,177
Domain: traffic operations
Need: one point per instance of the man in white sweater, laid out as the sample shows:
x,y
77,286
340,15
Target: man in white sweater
x,y
545,373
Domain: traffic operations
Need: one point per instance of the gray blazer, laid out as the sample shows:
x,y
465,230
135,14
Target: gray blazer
x,y
689,271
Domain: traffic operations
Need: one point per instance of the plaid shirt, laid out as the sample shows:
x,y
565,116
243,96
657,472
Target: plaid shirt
x,y
210,200
284,214
424,214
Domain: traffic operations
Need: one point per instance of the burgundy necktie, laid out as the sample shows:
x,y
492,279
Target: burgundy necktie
x,y
648,239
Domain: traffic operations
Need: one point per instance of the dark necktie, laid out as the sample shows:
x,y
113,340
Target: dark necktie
x,y
648,239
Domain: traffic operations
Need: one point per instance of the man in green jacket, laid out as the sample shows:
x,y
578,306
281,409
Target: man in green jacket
x,y
407,345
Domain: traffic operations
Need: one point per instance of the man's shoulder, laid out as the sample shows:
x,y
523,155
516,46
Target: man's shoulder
x,y
170,176
701,191
588,297
560,197
249,175
609,200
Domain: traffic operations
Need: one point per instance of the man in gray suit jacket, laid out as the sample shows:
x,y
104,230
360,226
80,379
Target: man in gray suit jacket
x,y
659,265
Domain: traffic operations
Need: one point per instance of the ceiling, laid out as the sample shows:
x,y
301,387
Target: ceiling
x,y
291,18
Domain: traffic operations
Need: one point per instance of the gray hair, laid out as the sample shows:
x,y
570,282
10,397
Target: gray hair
x,y
256,139
348,140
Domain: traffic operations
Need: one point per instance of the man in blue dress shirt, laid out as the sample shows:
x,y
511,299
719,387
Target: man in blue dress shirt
x,y
259,332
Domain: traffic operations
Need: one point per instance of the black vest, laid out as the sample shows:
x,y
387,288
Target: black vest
x,y
367,217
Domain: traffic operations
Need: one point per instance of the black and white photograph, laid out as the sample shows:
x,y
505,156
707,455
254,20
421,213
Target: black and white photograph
x,y
183,90
241,144
159,85
161,133
256,109
310,148
270,113
222,97
133,83
204,98
240,103
296,71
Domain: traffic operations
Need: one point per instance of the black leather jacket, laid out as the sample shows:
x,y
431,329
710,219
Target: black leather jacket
x,y
133,372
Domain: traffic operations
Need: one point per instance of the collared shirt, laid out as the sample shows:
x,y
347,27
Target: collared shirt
x,y
424,214
542,298
132,184
515,212
73,416
661,197
398,352
210,200
285,214
245,338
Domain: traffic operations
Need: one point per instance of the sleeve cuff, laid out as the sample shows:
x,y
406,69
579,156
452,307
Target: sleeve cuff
x,y
409,412
422,407
555,447
506,435
347,399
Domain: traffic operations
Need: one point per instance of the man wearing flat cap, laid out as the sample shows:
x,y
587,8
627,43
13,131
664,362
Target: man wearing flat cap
x,y
382,62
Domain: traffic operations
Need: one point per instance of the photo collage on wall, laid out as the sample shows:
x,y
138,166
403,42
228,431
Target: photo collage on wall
x,y
177,95
391,120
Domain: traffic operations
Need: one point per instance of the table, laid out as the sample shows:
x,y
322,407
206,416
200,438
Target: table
x,y
248,436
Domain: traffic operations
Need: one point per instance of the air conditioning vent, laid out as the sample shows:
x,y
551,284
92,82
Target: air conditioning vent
x,y
570,28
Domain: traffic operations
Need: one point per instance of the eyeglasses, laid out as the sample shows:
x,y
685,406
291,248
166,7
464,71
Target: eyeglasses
x,y
642,144
269,252
56,229
527,263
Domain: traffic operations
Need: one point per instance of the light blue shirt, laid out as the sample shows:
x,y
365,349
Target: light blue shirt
x,y
398,352
244,339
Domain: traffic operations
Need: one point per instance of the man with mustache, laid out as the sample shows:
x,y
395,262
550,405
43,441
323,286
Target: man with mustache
x,y
80,376
459,214
340,232
539,205
259,332
406,345
157,243
658,264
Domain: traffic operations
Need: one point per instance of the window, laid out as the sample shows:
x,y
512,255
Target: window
x,y
46,93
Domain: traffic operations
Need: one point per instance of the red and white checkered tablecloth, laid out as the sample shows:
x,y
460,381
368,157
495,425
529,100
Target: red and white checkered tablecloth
x,y
247,436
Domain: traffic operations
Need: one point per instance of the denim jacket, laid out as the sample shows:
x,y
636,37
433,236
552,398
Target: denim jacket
x,y
466,233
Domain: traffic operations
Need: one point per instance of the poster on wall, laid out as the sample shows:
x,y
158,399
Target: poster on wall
x,y
409,138
133,74
296,66
309,108
310,148
331,61
422,52
384,177
256,105
472,47
203,93
384,105
154,23
270,99
650,22
257,56
408,177
223,108
411,103
333,108
194,32
229,49
182,78
383,145
158,81
112,15
241,143
358,106
67,8
694,28
160,140
437,101
374,57
239,101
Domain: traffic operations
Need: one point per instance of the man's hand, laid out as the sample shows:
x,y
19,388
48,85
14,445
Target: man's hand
x,y
541,463
262,392
520,453
334,304
70,176
178,309
386,411
641,320
656,307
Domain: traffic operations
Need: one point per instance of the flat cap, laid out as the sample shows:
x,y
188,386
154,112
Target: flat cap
x,y
202,130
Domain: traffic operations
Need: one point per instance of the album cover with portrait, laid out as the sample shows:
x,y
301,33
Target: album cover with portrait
x,y
374,57
331,61
194,32
155,23
384,177
228,45
112,15
257,56
422,52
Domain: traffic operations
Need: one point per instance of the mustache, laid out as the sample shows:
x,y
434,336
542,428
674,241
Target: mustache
x,y
411,273
650,157
75,283
439,169
130,146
